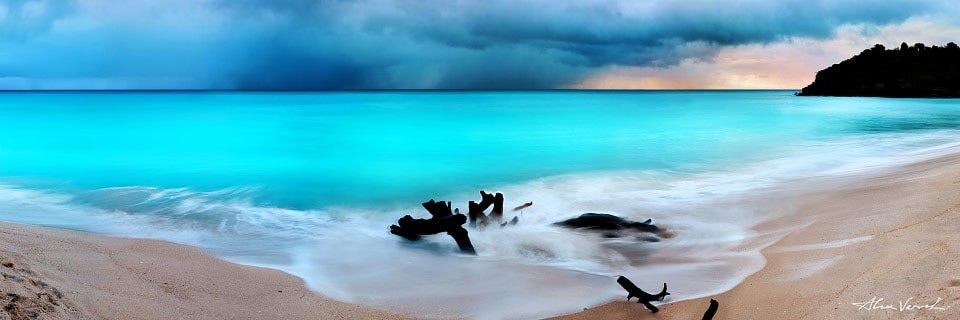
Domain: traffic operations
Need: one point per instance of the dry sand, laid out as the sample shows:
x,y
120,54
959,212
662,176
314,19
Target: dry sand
x,y
61,274
893,236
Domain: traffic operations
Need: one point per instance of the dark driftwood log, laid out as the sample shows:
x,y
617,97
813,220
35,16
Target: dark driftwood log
x,y
607,222
714,305
459,235
642,297
423,227
496,214
475,213
475,210
443,220
438,209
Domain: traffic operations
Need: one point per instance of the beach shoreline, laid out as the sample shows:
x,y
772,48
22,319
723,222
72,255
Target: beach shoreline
x,y
878,246
838,244
64,274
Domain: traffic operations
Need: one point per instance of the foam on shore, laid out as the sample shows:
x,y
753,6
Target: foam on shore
x,y
531,270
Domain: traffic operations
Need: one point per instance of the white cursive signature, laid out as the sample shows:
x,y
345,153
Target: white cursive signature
x,y
902,305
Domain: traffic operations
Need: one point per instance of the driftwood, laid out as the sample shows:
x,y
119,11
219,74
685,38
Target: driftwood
x,y
523,206
438,209
512,222
714,305
642,297
446,219
476,210
496,214
442,220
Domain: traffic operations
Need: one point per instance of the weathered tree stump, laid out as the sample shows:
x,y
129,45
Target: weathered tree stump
x,y
438,209
459,235
475,210
496,214
443,220
446,219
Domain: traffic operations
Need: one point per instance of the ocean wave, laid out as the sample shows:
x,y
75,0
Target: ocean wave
x,y
531,270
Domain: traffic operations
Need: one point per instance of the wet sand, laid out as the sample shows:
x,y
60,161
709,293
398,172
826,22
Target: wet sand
x,y
62,274
837,247
839,250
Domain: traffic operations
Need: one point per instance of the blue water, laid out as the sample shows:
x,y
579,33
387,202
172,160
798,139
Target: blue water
x,y
312,150
308,182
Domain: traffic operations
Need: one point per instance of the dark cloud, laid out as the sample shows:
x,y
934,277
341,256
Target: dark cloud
x,y
21,19
301,45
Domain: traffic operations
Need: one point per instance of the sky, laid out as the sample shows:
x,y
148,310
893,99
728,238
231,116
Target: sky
x,y
449,44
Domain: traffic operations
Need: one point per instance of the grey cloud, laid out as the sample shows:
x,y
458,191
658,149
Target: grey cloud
x,y
22,19
303,45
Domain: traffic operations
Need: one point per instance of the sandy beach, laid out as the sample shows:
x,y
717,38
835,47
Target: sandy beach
x,y
482,160
62,274
889,235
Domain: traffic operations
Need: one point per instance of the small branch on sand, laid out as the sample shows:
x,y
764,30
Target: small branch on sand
x,y
714,305
642,297
443,220
523,206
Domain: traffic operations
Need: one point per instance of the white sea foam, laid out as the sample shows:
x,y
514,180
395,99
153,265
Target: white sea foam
x,y
807,269
531,270
826,245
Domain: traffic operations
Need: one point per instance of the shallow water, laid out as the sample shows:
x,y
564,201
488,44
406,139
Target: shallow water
x,y
309,182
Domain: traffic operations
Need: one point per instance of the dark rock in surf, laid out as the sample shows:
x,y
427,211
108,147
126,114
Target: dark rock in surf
x,y
608,222
648,239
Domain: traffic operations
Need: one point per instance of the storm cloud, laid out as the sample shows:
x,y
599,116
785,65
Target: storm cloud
x,y
309,45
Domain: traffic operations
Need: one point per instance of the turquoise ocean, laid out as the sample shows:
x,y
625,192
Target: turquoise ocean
x,y
309,183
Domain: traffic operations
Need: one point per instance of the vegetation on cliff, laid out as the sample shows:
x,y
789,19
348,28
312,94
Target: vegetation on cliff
x,y
907,71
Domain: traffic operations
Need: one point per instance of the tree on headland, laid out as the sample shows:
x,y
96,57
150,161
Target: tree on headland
x,y
909,71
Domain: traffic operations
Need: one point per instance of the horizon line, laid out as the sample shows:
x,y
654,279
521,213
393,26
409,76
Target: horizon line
x,y
369,90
